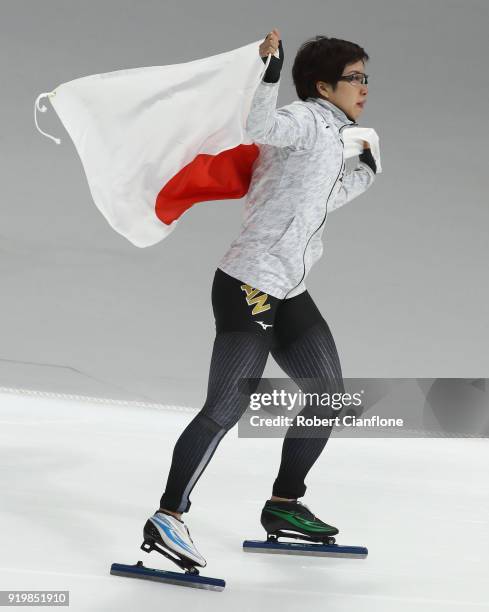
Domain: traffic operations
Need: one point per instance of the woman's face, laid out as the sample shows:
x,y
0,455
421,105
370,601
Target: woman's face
x,y
350,96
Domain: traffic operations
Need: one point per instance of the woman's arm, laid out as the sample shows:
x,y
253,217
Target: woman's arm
x,y
291,125
355,181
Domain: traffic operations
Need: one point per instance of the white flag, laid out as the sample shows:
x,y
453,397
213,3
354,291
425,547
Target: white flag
x,y
154,141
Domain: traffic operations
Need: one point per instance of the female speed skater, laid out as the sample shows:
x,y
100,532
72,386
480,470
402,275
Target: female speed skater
x,y
259,298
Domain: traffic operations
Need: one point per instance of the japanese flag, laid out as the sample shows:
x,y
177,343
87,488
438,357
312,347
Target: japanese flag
x,y
154,141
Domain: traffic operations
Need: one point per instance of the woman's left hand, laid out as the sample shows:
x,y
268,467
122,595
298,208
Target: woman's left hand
x,y
366,145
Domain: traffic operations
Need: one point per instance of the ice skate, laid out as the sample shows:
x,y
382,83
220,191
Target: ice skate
x,y
167,532
293,519
169,536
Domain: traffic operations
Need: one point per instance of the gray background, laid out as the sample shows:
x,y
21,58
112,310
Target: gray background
x,y
403,279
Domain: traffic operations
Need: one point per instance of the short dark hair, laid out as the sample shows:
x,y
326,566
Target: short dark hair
x,y
323,59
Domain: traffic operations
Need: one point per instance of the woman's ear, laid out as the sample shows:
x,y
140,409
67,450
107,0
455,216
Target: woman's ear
x,y
322,89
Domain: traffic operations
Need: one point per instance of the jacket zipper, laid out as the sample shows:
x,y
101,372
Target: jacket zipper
x,y
325,212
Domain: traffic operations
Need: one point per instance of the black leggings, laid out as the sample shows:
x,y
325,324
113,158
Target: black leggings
x,y
251,324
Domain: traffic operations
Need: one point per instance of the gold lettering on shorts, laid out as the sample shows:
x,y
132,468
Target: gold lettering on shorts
x,y
254,296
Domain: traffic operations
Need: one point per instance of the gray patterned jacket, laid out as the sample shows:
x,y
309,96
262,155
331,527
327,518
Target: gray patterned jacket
x,y
298,177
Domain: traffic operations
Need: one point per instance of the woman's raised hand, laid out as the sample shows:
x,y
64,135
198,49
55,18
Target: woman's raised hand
x,y
270,44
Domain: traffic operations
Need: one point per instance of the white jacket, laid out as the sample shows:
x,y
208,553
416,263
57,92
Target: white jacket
x,y
297,179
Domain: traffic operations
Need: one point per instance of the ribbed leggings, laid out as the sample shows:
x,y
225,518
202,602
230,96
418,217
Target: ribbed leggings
x,y
249,326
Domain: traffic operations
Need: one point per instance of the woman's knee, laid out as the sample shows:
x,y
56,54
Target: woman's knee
x,y
224,415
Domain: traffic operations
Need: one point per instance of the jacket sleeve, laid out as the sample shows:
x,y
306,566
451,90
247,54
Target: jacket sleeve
x,y
291,125
354,183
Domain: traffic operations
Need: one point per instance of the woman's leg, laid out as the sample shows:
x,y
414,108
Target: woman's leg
x,y
305,349
240,350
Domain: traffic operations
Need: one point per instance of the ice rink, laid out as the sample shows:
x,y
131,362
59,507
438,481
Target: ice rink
x,y
80,478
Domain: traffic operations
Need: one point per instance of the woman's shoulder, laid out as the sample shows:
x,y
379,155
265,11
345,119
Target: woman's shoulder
x,y
302,110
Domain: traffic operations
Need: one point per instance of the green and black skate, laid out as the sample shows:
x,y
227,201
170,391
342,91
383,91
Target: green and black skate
x,y
293,519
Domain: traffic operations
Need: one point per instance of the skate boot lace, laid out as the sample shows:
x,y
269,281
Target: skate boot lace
x,y
307,508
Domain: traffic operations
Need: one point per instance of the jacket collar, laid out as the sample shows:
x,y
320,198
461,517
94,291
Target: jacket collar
x,y
339,116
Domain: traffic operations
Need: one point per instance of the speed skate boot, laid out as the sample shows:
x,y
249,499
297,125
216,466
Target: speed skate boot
x,y
293,519
169,536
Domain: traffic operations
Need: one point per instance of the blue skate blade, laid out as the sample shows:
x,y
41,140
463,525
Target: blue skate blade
x,y
304,548
179,578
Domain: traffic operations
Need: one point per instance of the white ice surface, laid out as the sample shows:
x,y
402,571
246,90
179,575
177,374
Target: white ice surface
x,y
79,479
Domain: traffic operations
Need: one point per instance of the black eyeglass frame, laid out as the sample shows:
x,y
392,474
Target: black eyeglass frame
x,y
351,78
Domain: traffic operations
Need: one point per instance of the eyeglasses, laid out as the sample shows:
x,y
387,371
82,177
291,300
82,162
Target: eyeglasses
x,y
357,78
